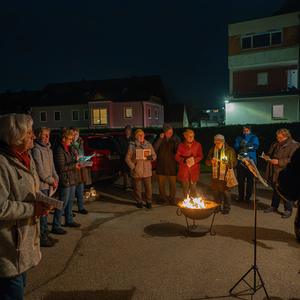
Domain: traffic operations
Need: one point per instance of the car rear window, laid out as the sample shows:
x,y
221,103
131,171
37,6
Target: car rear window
x,y
102,143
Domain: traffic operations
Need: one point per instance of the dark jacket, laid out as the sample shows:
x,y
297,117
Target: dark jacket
x,y
82,172
183,152
216,183
283,154
166,150
125,142
65,165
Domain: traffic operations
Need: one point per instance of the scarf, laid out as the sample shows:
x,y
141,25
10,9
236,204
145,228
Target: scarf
x,y
23,158
218,154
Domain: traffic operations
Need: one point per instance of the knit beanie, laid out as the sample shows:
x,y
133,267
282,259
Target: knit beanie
x,y
219,138
166,127
188,132
128,127
247,126
138,131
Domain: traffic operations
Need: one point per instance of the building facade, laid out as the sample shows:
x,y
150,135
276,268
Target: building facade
x,y
263,62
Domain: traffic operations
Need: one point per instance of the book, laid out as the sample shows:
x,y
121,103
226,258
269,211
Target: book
x,y
263,155
190,161
142,154
86,163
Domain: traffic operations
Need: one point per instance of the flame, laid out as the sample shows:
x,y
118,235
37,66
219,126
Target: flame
x,y
197,203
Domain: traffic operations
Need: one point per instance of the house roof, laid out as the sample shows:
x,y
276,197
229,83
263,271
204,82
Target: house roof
x,y
289,6
82,92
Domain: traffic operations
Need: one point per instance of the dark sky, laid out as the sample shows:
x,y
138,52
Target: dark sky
x,y
185,42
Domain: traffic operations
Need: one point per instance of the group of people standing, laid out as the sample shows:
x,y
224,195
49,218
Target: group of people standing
x,y
24,174
170,151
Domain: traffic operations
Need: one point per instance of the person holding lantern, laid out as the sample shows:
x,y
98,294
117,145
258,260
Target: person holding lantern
x,y
221,157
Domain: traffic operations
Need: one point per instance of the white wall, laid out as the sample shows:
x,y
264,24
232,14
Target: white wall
x,y
259,110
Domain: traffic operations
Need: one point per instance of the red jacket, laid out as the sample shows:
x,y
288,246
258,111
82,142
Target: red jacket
x,y
183,151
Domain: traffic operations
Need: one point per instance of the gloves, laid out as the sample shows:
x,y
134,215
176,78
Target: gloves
x,y
243,143
149,157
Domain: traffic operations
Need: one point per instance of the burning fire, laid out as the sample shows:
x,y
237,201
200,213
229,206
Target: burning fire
x,y
196,203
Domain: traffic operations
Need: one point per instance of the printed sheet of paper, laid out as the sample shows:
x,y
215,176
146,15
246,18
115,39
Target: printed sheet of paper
x,y
87,163
190,161
142,153
52,191
53,202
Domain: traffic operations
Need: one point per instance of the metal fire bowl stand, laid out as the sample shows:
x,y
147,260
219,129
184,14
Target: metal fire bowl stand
x,y
197,214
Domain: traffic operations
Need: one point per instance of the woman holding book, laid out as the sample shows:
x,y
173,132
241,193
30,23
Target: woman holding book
x,y
189,154
139,157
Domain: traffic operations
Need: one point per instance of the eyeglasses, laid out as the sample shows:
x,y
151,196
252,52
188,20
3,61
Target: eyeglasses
x,y
280,137
68,139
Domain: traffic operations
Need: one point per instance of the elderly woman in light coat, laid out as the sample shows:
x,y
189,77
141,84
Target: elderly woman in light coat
x,y
43,157
19,213
140,166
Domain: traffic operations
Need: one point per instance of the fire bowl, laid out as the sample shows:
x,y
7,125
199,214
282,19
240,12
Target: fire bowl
x,y
199,213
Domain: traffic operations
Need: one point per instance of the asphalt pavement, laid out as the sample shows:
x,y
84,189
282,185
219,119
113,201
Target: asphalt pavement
x,y
121,252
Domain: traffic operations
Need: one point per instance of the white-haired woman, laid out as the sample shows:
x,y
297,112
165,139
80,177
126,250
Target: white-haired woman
x,y
43,158
19,213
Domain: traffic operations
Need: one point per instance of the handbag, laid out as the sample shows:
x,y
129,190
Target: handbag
x,y
230,178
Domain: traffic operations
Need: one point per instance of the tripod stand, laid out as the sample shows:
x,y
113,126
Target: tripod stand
x,y
255,286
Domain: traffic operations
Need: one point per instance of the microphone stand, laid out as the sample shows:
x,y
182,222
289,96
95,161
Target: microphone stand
x,y
251,166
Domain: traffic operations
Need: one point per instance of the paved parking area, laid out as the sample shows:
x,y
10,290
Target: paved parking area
x,y
121,252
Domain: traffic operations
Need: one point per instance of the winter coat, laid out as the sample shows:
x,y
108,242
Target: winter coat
x,y
125,143
19,228
216,183
43,158
82,172
183,152
166,162
65,165
250,148
283,155
139,168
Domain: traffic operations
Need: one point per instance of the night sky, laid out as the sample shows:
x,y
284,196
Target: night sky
x,y
185,42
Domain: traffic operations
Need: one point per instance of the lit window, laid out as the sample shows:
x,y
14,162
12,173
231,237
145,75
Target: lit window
x,y
128,112
56,116
43,116
215,110
277,111
149,113
262,78
100,116
75,115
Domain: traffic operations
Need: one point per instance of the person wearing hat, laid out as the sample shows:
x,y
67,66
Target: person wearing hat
x,y
165,147
221,157
124,141
246,146
189,154
138,158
